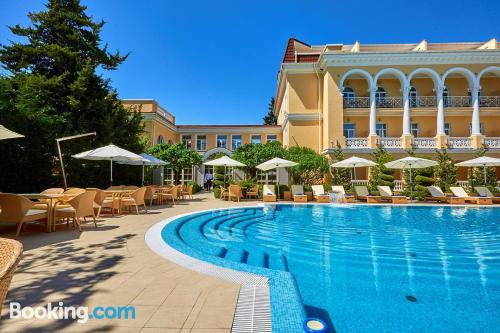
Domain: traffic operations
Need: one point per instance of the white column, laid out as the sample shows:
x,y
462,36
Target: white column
x,y
406,109
476,127
440,111
373,111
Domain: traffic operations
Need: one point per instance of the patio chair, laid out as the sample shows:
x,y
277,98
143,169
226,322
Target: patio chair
x,y
151,195
298,193
253,192
53,190
436,194
135,199
319,193
459,191
342,196
387,195
187,190
483,191
19,210
102,200
268,194
10,255
235,192
224,192
168,194
81,206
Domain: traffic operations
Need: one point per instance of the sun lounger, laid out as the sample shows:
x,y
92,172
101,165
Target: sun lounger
x,y
298,193
387,195
436,194
319,193
340,191
268,194
363,194
483,191
460,192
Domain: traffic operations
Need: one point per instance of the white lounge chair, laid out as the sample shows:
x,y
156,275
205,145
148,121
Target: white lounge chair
x,y
386,194
268,194
342,196
460,192
436,194
362,193
483,191
319,193
298,193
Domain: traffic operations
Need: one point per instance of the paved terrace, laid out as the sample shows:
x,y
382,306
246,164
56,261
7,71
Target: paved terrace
x,y
112,265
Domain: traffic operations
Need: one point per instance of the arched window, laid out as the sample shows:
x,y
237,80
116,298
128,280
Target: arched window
x,y
380,95
446,97
349,95
413,96
160,139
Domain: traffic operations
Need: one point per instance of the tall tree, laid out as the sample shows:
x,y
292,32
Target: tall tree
x,y
340,176
177,155
270,118
52,89
475,176
311,168
380,174
445,173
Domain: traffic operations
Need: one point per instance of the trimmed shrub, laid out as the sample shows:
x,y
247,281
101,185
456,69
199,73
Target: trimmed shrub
x,y
216,192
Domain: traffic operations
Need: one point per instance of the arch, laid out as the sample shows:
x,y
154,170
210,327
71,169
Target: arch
x,y
213,151
391,71
491,69
361,72
159,140
467,73
429,72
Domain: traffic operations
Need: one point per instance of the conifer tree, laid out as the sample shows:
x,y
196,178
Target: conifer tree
x,y
270,118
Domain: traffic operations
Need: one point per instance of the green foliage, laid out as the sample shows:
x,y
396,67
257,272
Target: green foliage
x,y
475,176
340,176
380,174
270,118
445,173
53,88
254,154
248,183
282,189
311,166
196,188
421,178
177,155
217,192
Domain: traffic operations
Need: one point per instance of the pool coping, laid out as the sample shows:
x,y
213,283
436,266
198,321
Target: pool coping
x,y
254,310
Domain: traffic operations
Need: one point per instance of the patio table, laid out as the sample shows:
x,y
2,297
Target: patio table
x,y
52,199
117,197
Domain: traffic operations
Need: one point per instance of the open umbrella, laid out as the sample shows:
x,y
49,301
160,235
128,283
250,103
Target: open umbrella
x,y
276,163
109,153
410,162
483,161
146,160
6,133
354,162
225,161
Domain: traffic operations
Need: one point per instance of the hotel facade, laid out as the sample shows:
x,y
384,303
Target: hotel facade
x,y
422,96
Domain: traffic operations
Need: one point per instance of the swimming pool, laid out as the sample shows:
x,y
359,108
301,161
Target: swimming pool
x,y
364,268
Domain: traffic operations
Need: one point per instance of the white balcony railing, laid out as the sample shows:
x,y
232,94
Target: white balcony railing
x,y
457,101
356,143
356,102
389,102
398,185
390,142
359,182
424,143
459,143
423,102
489,101
492,142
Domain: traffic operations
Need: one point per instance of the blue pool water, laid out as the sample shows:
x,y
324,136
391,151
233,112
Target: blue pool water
x,y
367,268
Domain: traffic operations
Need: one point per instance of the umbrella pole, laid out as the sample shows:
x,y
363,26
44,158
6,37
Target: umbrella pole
x,y
142,174
111,168
278,181
411,188
484,168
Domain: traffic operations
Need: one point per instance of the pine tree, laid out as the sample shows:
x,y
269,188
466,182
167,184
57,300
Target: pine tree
x,y
380,174
340,176
270,118
420,180
445,173
52,89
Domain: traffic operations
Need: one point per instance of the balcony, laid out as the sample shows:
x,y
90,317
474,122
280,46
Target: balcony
x,y
424,143
457,101
489,101
356,143
421,102
356,102
459,143
390,142
492,142
389,102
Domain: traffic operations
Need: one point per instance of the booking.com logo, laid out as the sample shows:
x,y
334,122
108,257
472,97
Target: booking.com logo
x,y
81,314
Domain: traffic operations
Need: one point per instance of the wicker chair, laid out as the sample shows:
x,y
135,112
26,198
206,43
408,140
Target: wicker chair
x,y
102,200
17,209
10,254
80,206
235,192
136,199
151,195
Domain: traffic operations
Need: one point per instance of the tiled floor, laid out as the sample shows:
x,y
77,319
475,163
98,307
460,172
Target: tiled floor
x,y
112,265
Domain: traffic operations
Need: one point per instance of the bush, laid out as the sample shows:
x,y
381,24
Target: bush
x,y
216,192
196,188
282,189
380,175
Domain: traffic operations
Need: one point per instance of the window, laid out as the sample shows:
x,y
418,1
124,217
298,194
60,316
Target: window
x,y
272,138
168,176
415,129
266,177
236,141
186,141
413,96
446,95
221,141
381,130
201,142
349,130
159,140
256,139
380,95
481,128
187,175
447,129
349,95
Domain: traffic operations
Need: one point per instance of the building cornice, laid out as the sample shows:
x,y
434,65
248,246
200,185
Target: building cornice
x,y
299,117
230,130
153,116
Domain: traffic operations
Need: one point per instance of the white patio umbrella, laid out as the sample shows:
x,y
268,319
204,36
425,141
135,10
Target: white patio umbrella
x,y
225,161
483,161
109,153
6,133
146,160
410,162
276,163
353,162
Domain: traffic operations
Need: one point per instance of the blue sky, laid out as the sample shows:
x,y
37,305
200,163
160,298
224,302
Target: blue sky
x,y
216,62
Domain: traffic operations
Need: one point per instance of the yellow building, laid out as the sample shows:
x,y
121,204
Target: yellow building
x,y
207,140
422,96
